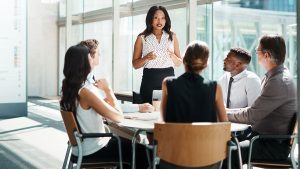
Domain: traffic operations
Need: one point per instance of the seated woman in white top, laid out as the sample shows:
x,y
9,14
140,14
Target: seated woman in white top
x,y
90,107
92,45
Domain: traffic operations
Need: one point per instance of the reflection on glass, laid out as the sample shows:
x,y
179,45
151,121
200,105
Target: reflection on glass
x,y
231,29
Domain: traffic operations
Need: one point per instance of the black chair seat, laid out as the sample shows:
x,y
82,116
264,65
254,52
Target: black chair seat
x,y
96,161
273,163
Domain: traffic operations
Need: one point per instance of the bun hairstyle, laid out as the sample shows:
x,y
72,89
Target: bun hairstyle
x,y
196,56
92,45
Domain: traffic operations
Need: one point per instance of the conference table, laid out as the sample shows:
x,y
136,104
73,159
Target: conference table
x,y
136,123
146,121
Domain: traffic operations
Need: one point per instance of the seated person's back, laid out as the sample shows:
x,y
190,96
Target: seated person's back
x,y
190,98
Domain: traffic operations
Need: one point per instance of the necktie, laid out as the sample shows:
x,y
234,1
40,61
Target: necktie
x,y
263,82
228,92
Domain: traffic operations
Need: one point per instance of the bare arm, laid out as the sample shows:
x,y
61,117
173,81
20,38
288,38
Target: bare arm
x,y
175,55
137,60
89,100
110,96
220,105
164,100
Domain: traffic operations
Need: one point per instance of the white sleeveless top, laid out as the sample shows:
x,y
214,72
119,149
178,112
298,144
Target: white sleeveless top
x,y
150,43
90,122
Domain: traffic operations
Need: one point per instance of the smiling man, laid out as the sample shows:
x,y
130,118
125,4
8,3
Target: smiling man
x,y
240,87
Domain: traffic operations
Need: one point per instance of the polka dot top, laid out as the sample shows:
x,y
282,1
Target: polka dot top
x,y
150,43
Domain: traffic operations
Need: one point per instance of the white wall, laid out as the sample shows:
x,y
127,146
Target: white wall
x,y
42,49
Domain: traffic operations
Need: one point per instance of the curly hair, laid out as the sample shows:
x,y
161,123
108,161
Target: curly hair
x,y
149,20
76,69
242,54
92,45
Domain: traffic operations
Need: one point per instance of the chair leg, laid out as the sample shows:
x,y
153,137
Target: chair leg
x,y
229,155
70,165
67,156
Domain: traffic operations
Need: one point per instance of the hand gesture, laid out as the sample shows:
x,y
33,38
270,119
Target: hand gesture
x,y
102,84
146,107
171,52
151,55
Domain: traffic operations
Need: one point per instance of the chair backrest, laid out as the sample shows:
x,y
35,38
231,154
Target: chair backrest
x,y
192,144
293,128
293,124
70,125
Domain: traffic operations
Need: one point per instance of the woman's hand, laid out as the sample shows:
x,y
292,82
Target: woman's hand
x,y
150,56
102,84
171,53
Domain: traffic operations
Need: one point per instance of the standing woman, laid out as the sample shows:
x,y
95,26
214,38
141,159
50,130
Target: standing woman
x,y
157,50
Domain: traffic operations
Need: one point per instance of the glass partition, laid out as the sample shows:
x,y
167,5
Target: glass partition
x,y
222,24
242,24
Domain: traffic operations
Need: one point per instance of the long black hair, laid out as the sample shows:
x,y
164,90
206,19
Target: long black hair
x,y
149,19
76,69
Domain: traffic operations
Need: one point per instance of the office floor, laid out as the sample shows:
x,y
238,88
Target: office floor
x,y
38,141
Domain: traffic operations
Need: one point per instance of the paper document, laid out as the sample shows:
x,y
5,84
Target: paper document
x,y
142,116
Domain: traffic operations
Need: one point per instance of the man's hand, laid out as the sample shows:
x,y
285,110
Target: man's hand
x,y
145,107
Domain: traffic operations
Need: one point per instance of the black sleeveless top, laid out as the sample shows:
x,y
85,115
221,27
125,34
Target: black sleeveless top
x,y
191,99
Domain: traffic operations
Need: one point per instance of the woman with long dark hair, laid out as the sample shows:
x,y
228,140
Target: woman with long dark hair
x,y
157,50
90,107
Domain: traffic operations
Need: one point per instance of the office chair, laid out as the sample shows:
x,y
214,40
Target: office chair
x,y
136,98
291,137
191,144
76,138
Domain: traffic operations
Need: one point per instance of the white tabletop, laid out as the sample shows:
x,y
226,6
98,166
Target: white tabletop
x,y
146,121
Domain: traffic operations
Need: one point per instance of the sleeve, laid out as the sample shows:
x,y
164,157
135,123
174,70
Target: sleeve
x,y
253,89
270,99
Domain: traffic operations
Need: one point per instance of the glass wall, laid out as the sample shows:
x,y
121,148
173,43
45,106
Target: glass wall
x,y
241,24
98,30
222,24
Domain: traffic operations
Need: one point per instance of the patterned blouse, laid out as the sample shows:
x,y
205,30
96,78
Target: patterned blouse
x,y
150,43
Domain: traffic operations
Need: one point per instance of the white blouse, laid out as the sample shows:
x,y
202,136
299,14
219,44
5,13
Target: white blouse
x,y
163,59
90,122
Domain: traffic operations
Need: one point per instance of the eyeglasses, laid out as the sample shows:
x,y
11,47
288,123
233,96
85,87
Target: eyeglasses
x,y
259,50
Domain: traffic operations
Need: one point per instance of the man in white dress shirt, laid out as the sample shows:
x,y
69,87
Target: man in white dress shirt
x,y
245,86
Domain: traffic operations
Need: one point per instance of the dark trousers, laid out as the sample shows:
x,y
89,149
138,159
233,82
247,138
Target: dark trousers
x,y
152,80
110,153
263,149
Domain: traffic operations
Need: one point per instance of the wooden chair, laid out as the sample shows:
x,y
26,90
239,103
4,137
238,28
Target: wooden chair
x,y
191,144
291,137
75,140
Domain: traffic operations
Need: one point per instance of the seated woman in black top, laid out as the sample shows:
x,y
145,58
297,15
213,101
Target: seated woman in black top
x,y
191,98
